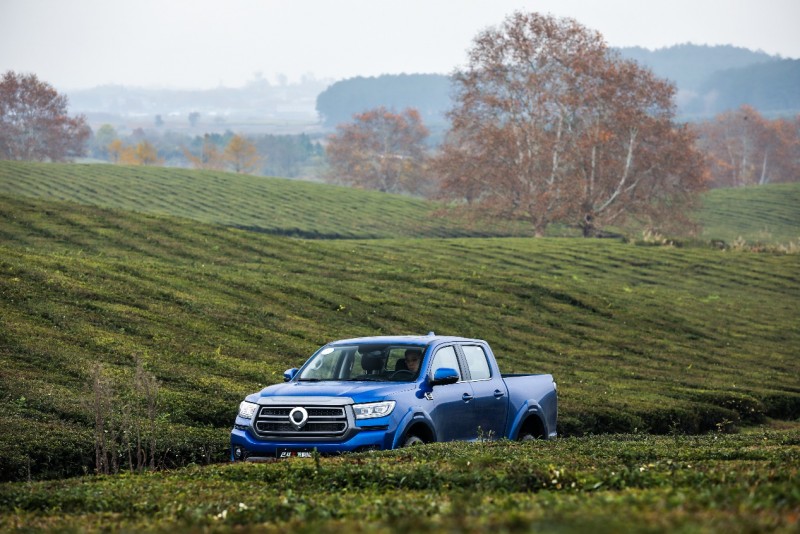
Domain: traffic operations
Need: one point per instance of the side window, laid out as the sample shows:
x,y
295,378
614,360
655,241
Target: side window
x,y
446,357
476,362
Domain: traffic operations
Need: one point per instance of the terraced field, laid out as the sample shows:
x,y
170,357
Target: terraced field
x,y
653,339
271,205
119,273
766,214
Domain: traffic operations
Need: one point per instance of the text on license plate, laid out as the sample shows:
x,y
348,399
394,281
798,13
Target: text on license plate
x,y
294,454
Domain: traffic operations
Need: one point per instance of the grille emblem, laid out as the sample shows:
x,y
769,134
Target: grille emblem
x,y
298,417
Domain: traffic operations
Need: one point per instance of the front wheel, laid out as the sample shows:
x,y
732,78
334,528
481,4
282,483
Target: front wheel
x,y
412,440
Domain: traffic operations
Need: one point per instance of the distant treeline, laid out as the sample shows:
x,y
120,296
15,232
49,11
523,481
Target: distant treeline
x,y
716,79
772,88
289,156
710,80
427,93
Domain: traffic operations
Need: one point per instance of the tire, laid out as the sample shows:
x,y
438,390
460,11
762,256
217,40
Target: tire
x,y
412,441
526,436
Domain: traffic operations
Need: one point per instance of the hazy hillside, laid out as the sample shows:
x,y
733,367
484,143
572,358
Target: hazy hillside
x,y
430,94
262,107
773,88
697,70
691,66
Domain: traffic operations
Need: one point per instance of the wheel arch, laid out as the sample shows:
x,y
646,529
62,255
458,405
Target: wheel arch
x,y
419,427
532,424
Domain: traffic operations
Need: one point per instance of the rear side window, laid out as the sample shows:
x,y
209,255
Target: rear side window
x,y
446,357
476,362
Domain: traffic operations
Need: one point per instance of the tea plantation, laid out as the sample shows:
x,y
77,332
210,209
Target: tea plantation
x,y
661,353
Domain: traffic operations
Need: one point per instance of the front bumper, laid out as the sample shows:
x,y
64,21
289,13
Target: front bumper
x,y
245,445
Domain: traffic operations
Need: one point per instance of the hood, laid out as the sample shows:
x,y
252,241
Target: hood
x,y
358,391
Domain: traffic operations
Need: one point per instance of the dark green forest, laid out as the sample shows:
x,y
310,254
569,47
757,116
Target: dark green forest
x,y
428,93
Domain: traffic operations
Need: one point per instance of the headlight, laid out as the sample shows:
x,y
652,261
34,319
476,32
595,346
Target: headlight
x,y
373,409
247,410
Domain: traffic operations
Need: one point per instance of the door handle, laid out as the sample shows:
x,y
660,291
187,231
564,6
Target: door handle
x,y
498,394
466,397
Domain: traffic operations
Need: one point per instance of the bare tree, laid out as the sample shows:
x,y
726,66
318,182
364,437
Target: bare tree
x,y
34,124
550,125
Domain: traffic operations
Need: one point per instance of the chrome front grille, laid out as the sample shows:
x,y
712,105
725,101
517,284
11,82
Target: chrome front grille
x,y
321,422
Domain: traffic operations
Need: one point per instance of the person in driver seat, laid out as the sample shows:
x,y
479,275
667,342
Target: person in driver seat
x,y
413,359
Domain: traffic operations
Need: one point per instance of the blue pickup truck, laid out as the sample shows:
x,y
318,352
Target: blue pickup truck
x,y
393,391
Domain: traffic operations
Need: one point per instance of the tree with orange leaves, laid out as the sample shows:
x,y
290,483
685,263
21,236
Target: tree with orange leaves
x,y
34,124
241,155
380,150
744,148
210,156
550,125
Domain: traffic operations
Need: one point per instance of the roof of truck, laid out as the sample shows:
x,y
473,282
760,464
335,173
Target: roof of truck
x,y
402,340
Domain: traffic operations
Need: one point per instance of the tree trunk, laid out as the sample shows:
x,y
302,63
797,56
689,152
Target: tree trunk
x,y
588,227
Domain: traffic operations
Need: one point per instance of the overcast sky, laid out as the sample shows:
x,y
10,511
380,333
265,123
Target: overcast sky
x,y
76,44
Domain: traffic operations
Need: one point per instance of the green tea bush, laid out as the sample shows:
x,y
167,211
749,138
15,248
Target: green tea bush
x,y
601,420
41,451
696,418
747,408
740,483
782,405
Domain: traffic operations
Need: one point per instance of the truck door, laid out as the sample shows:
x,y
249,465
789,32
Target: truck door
x,y
490,405
451,411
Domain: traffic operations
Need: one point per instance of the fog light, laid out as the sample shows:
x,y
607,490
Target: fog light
x,y
238,453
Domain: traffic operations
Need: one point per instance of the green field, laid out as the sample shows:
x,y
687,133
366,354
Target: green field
x,y
271,205
643,340
635,483
767,214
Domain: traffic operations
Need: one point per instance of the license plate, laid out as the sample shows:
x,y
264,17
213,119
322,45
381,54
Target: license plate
x,y
285,453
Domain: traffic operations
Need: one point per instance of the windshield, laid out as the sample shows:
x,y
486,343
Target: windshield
x,y
378,363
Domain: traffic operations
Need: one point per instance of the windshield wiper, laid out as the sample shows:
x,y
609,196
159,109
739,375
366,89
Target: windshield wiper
x,y
309,379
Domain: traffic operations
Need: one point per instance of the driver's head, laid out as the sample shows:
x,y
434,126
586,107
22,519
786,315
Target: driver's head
x,y
413,358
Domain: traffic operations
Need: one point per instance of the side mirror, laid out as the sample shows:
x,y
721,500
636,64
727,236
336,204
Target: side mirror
x,y
444,375
289,374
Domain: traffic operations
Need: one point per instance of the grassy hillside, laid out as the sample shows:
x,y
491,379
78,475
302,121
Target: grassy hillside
x,y
767,214
652,339
271,205
764,214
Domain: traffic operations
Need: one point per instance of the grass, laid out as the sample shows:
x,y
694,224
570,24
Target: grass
x,y
633,483
270,205
675,347
765,214
639,338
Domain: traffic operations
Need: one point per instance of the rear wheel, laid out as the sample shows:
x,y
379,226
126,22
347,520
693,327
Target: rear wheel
x,y
532,429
